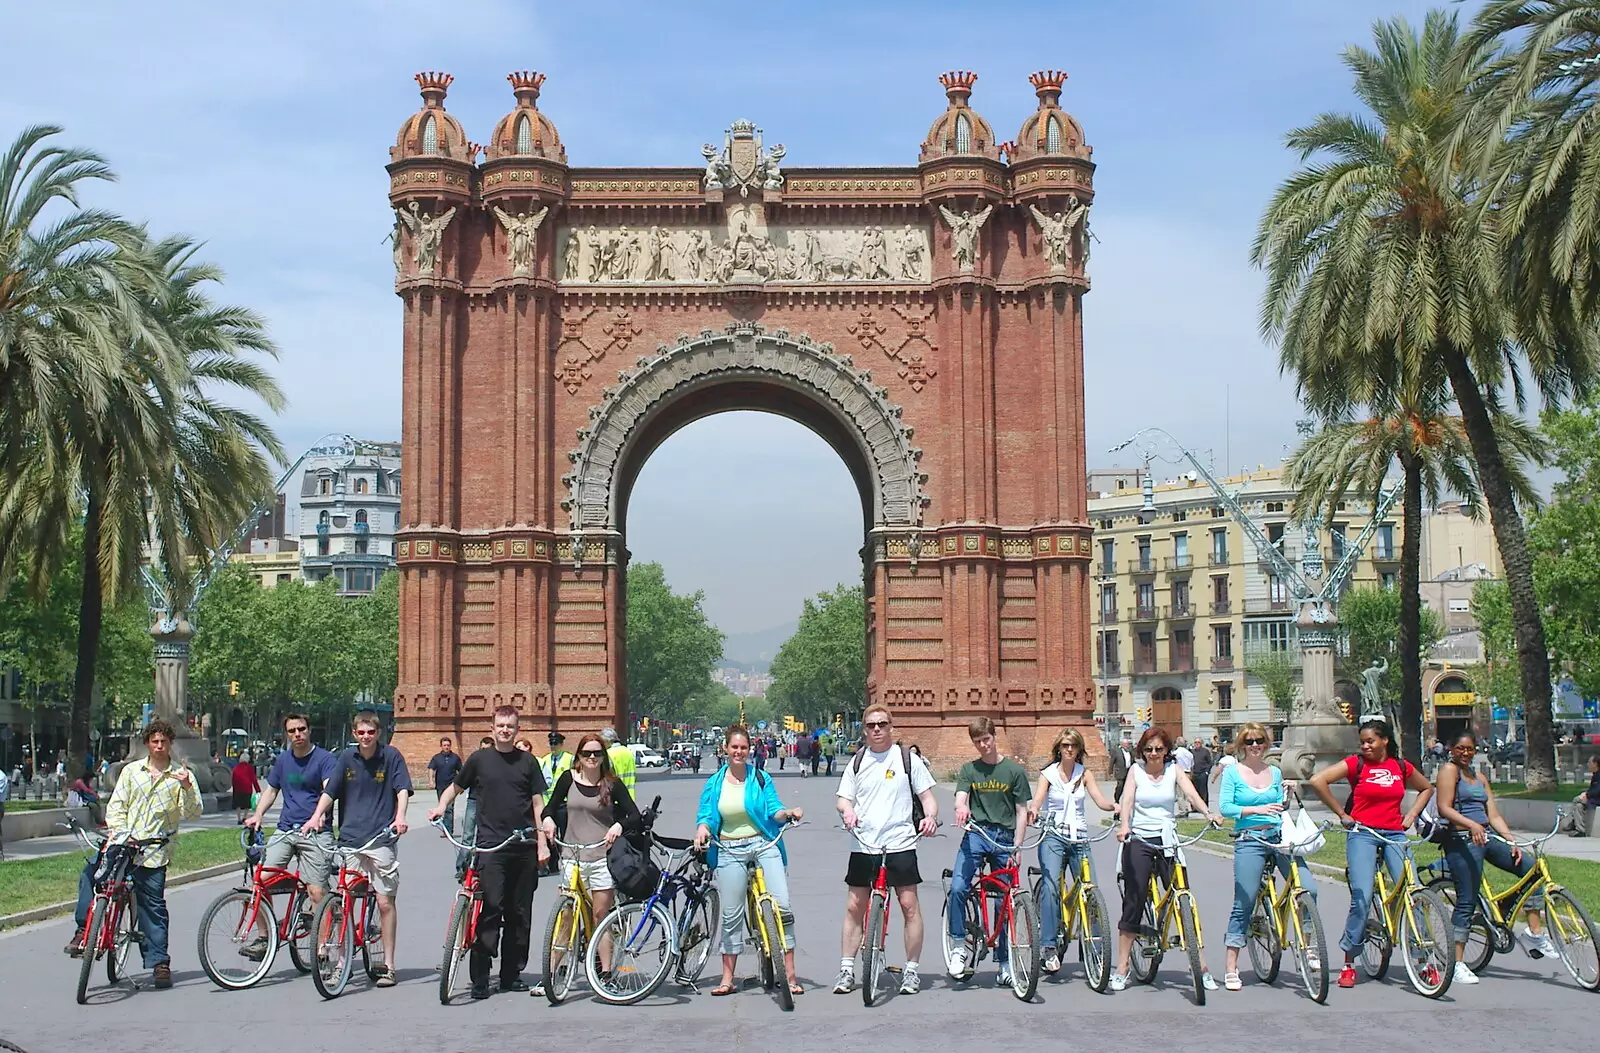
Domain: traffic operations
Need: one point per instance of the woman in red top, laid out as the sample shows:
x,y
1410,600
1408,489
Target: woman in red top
x,y
1378,781
245,786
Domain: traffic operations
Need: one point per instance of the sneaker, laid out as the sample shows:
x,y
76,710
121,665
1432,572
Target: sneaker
x,y
1208,981
386,977
959,966
1232,982
536,991
1347,976
515,985
1537,946
1052,961
255,951
1463,975
162,975
1005,976
910,981
846,982
1313,962
480,990
1118,982
74,947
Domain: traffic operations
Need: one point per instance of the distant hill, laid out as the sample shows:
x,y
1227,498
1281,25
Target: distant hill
x,y
754,651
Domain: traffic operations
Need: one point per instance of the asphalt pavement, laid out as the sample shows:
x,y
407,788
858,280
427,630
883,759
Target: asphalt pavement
x,y
1522,1004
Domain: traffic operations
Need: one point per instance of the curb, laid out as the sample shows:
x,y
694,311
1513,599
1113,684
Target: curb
x,y
1226,852
52,910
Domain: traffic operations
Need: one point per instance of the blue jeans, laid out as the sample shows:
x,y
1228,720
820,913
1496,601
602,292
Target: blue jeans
x,y
1250,861
733,881
1057,856
972,854
149,894
469,831
1361,861
448,819
1466,860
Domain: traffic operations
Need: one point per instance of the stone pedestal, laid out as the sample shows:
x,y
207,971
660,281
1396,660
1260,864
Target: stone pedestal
x,y
172,703
1317,735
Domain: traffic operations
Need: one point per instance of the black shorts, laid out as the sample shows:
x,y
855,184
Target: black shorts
x,y
900,868
241,800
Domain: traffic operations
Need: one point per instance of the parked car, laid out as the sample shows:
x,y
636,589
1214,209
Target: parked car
x,y
645,757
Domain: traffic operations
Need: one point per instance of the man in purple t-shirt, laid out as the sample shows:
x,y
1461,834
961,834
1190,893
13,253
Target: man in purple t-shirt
x,y
299,775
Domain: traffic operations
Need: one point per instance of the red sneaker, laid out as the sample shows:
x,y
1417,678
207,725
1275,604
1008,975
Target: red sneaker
x,y
1347,977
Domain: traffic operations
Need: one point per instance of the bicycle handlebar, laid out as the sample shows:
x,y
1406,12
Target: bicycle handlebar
x,y
1388,838
973,828
1252,835
526,833
137,843
1533,842
576,847
1050,826
1181,842
880,850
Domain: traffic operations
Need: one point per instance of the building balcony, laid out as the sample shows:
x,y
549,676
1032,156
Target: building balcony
x,y
1181,612
1142,565
1222,663
363,528
1217,559
1179,564
1182,663
1105,617
1110,669
1144,666
1268,606
1386,556
1144,614
1221,607
1105,568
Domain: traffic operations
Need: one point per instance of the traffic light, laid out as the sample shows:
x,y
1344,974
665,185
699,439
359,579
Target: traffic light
x,y
644,723
233,687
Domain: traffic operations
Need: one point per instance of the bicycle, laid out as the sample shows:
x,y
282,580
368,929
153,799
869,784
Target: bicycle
x,y
1015,917
244,921
345,920
1411,915
1164,907
571,922
461,931
763,921
1083,912
1287,915
1566,921
112,926
875,929
651,937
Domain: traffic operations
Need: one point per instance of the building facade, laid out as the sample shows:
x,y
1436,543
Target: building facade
x,y
1184,605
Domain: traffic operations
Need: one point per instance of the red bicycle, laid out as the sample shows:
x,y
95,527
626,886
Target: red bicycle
x,y
241,932
462,931
347,918
111,928
875,931
998,907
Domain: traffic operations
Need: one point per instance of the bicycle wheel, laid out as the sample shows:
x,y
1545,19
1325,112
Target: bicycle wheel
x,y
1094,941
1311,948
565,941
1573,933
697,932
1482,939
300,909
1376,943
1148,949
372,953
1023,937
1189,925
641,953
99,907
236,942
123,937
455,949
1427,943
872,940
1261,936
773,953
333,941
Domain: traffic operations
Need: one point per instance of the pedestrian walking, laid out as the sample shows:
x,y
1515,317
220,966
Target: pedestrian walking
x,y
445,766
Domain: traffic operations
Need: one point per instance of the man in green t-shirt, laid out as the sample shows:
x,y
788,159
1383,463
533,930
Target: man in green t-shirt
x,y
992,798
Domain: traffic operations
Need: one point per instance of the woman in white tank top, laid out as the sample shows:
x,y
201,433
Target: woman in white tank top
x,y
1058,802
1149,813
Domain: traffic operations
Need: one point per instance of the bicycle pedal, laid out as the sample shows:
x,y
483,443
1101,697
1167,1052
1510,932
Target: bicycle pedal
x,y
1174,942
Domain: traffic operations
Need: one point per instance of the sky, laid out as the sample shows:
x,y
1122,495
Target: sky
x,y
263,130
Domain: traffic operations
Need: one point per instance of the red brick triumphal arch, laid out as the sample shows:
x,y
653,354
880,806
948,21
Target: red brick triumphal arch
x,y
561,322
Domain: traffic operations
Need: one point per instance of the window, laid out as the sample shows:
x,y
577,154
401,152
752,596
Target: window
x,y
1180,516
1277,591
1219,591
1108,601
283,578
1222,636
397,520
430,136
1275,531
1108,556
1145,562
1275,506
524,136
1225,698
1113,700
361,517
322,518
1388,579
1052,136
322,545
1385,538
324,485
1147,596
1341,543
1219,547
1180,550
1180,597
1459,606
361,486
1182,650
361,546
1217,512
1108,653
1267,635
1144,652
963,134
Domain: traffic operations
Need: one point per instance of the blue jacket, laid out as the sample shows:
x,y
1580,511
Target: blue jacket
x,y
760,802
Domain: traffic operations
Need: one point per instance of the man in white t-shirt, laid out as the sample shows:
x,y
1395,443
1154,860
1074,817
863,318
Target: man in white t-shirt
x,y
875,803
1183,755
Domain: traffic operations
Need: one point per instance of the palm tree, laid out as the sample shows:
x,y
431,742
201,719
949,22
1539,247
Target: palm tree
x,y
1380,265
1352,453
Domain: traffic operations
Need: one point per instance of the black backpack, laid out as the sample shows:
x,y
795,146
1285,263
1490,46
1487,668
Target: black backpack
x,y
917,812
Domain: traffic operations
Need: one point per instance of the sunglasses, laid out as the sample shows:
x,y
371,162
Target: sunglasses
x,y
874,725
592,754
1255,742
1154,749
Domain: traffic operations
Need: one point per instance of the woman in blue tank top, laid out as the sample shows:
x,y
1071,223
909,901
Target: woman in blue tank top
x,y
1467,803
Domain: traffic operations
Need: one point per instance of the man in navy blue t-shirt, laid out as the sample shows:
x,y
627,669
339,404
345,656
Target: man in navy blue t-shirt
x,y
372,786
298,775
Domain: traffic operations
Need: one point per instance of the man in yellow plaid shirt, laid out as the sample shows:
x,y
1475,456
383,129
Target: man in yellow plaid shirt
x,y
151,797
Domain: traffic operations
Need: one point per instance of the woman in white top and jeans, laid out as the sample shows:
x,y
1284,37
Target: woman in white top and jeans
x,y
1149,812
1063,785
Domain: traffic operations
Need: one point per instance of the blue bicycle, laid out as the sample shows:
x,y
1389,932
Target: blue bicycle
x,y
637,945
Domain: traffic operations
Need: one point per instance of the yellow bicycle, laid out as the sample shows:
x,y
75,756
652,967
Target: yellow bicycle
x,y
1286,915
1565,920
1408,914
1083,911
1171,919
762,918
566,935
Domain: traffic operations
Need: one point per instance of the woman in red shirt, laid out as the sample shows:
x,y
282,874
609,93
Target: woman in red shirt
x,y
245,786
1378,781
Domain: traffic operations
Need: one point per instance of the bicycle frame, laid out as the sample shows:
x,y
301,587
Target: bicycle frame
x,y
266,882
1391,900
999,882
756,892
1074,900
1165,902
1280,899
1501,907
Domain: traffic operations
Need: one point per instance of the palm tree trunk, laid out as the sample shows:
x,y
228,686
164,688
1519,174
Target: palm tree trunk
x,y
1532,655
91,611
1411,611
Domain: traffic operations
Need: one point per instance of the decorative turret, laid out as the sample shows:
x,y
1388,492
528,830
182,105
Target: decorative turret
x,y
525,132
959,130
1052,180
431,132
1049,131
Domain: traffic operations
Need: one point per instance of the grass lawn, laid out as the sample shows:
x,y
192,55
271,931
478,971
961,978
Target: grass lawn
x,y
12,807
29,883
1563,792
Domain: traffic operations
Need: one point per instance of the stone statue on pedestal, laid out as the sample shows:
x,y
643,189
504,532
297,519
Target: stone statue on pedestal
x,y
1371,677
1318,733
964,234
521,229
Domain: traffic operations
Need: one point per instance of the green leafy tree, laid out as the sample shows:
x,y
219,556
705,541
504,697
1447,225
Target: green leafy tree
x,y
1382,269
672,647
1565,536
822,669
1367,617
1278,674
1499,676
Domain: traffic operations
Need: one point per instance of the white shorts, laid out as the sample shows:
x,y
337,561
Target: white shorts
x,y
596,875
381,865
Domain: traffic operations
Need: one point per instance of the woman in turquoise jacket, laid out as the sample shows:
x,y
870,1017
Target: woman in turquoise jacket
x,y
739,806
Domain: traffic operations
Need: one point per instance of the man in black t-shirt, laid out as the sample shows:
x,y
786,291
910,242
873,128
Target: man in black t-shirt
x,y
1201,775
445,766
510,794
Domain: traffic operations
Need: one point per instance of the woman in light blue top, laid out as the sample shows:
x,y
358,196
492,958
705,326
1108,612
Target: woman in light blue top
x,y
739,806
1252,795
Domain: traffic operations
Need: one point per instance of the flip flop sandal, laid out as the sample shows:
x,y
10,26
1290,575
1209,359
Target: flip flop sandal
x,y
723,989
